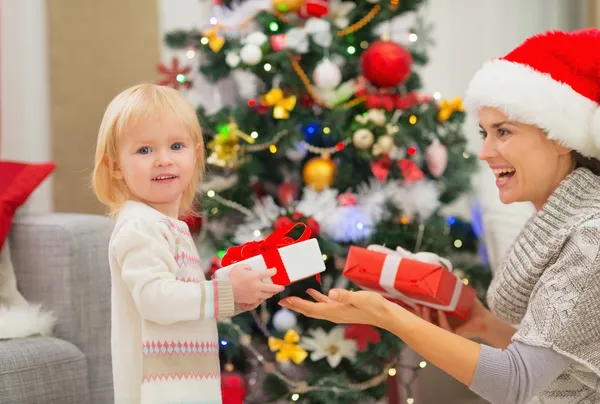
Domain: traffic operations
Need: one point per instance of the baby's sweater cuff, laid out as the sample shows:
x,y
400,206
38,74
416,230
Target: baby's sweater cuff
x,y
223,297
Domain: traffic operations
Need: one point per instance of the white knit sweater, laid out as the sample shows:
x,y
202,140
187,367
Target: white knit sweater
x,y
165,347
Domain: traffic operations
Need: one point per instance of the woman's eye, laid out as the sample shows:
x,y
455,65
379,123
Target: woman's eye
x,y
144,150
177,146
503,132
483,134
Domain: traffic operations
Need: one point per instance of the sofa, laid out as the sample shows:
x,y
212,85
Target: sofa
x,y
61,261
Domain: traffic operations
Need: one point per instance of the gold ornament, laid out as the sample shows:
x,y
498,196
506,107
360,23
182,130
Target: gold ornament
x,y
288,348
319,173
363,138
225,146
385,144
288,6
215,41
447,108
281,105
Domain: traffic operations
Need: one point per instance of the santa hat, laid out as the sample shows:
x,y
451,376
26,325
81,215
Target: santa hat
x,y
552,81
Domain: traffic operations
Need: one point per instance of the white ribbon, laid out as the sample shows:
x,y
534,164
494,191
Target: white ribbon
x,y
318,29
389,272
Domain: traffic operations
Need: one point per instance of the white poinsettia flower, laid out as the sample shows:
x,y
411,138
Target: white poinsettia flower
x,y
339,11
333,345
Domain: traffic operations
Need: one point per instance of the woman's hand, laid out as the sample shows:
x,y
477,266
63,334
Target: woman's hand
x,y
341,306
476,326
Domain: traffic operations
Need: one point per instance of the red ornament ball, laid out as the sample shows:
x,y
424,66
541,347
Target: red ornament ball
x,y
233,388
282,222
386,64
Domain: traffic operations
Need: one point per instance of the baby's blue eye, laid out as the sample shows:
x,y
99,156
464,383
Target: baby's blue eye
x,y
144,150
176,146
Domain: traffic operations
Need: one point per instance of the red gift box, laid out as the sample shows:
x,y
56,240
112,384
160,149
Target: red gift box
x,y
409,281
294,259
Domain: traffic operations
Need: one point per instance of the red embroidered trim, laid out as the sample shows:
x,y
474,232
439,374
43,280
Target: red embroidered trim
x,y
159,348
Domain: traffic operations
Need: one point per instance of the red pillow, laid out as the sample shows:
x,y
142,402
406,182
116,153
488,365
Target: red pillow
x,y
17,182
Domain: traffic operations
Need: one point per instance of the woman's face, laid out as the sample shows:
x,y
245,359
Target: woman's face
x,y
527,165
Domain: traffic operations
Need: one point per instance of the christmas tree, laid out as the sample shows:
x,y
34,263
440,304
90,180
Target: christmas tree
x,y
328,128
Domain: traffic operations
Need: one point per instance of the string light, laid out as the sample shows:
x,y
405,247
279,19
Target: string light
x,y
326,130
466,155
254,135
213,20
210,193
412,37
267,67
410,401
191,52
457,243
295,397
351,50
204,40
392,372
359,226
364,44
273,149
413,119
411,150
257,233
324,257
223,342
437,95
273,26
465,281
182,78
214,211
422,364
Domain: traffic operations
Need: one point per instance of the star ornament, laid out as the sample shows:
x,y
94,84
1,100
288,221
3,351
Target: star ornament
x,y
288,348
174,75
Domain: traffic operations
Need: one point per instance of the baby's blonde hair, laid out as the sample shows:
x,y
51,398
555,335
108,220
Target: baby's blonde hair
x,y
136,103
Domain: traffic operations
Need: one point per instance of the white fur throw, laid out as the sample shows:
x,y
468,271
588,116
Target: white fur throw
x,y
18,317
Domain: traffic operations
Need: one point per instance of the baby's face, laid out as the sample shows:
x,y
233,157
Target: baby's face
x,y
156,160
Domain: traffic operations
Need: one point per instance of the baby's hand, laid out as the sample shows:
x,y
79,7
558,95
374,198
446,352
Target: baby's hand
x,y
248,286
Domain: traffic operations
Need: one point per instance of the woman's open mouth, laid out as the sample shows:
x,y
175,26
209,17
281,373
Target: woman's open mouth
x,y
503,175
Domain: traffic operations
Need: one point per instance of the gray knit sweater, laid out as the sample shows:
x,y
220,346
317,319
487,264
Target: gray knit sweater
x,y
550,284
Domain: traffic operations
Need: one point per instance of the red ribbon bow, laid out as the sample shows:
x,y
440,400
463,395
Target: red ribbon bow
x,y
268,248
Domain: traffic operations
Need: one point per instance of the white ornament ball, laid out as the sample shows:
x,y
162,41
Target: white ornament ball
x,y
232,59
284,320
251,54
363,139
386,142
327,75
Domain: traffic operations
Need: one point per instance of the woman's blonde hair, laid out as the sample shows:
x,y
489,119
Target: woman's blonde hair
x,y
133,104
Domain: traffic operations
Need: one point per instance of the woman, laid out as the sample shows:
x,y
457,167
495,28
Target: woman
x,y
540,123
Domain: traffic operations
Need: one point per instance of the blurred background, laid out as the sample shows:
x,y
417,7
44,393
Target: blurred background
x,y
62,61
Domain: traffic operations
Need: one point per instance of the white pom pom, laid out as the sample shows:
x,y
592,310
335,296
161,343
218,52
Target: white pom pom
x,y
251,54
327,75
284,320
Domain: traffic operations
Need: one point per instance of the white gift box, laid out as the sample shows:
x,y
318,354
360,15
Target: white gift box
x,y
301,260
